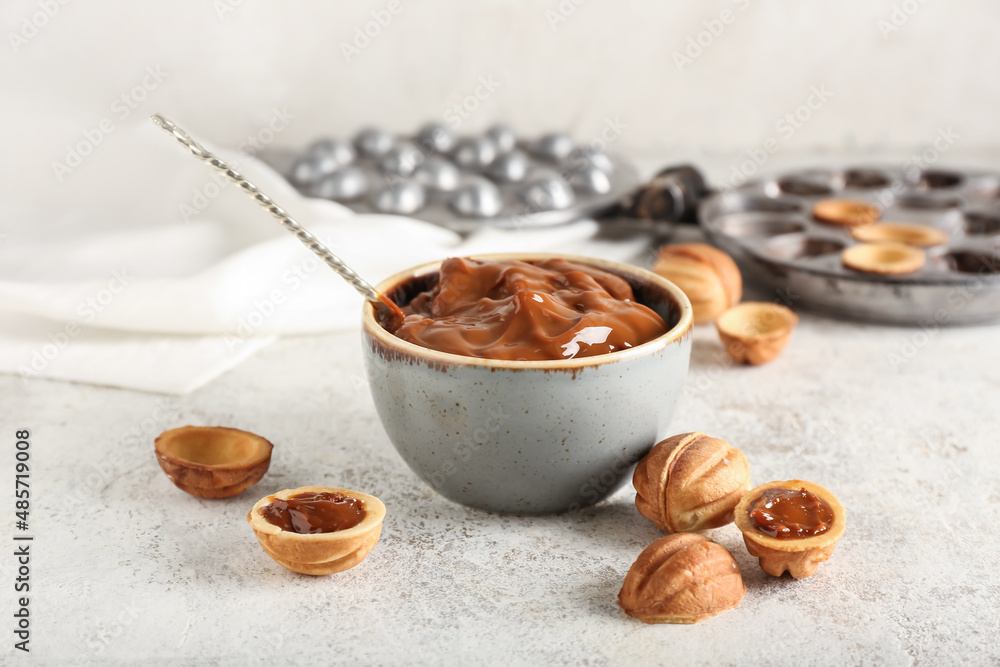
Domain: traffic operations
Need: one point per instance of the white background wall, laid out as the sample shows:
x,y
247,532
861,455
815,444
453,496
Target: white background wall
x,y
897,71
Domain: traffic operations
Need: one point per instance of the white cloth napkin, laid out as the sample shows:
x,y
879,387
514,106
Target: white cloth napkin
x,y
166,307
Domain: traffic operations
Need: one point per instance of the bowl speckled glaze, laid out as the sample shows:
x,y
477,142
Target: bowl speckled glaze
x,y
528,437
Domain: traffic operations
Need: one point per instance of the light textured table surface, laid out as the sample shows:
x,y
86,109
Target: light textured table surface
x,y
901,424
127,568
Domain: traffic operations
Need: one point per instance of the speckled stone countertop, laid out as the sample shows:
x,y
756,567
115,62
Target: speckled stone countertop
x,y
128,569
900,423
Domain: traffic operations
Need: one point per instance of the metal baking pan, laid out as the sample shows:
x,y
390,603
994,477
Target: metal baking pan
x,y
558,180
767,226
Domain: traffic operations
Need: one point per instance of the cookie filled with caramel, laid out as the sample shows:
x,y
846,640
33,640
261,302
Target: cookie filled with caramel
x,y
790,526
316,529
510,309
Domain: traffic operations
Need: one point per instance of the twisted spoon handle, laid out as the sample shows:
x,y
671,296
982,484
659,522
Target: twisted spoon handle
x,y
386,307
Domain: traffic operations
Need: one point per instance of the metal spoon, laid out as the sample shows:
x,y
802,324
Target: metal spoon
x,y
385,306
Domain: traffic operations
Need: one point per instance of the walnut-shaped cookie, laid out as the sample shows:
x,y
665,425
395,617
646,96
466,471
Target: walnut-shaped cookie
x,y
691,482
708,276
790,526
682,578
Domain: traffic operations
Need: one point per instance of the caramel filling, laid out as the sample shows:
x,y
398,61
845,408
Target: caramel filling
x,y
308,513
508,309
788,514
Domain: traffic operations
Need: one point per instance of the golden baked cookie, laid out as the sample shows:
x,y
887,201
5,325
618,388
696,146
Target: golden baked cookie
x,y
885,259
898,232
317,529
212,461
790,526
681,578
845,212
691,482
755,332
709,277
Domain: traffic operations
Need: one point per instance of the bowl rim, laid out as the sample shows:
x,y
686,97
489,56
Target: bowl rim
x,y
371,327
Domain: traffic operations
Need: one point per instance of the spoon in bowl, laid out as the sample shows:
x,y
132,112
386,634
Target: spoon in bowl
x,y
389,311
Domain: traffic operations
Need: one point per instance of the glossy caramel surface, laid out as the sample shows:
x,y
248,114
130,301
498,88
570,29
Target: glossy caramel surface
x,y
514,310
788,514
310,513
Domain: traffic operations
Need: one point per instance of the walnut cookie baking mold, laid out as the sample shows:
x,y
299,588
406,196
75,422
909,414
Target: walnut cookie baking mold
x,y
318,553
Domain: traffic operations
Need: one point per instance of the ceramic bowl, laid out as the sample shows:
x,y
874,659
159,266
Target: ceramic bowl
x,y
528,437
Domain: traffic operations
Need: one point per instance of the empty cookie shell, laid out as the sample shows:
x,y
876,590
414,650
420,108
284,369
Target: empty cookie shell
x,y
846,212
212,461
307,546
898,232
886,259
754,332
